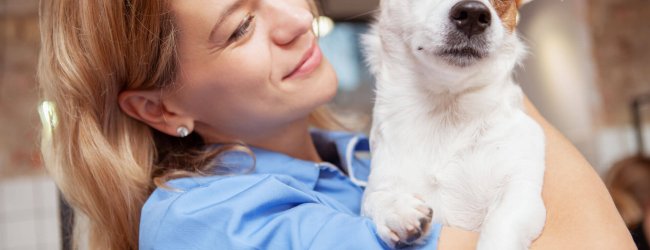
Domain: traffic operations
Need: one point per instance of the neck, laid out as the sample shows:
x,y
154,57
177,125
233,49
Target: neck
x,y
293,140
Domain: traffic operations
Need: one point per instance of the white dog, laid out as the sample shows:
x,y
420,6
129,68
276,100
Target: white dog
x,y
450,140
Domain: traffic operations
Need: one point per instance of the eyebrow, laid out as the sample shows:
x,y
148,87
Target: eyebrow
x,y
231,9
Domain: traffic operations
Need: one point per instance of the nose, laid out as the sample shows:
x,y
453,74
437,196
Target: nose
x,y
471,17
291,21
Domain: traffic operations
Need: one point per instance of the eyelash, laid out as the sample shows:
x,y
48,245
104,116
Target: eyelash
x,y
243,28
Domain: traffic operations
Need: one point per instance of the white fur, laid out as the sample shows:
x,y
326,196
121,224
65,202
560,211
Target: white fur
x,y
455,136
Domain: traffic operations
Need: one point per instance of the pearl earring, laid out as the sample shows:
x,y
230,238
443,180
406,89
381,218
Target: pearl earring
x,y
182,131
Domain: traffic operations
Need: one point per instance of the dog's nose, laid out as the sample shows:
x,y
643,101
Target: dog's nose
x,y
471,17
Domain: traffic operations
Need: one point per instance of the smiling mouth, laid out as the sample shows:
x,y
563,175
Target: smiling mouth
x,y
309,62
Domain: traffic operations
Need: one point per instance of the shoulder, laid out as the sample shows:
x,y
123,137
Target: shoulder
x,y
195,206
250,212
188,194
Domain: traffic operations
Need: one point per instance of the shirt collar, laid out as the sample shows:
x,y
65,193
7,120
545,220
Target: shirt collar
x,y
353,151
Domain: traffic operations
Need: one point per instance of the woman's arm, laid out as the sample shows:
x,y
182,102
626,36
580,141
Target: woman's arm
x,y
580,213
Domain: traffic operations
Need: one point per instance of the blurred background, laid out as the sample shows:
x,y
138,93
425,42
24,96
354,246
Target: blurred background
x,y
589,60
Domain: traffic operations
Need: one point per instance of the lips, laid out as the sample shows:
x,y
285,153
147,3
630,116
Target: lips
x,y
309,62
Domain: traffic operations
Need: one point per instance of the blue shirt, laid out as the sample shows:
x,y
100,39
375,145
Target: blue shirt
x,y
283,203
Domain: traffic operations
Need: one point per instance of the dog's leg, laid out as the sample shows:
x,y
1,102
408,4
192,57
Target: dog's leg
x,y
401,216
516,220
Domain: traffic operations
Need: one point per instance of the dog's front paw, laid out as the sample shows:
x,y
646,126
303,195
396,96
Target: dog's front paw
x,y
401,219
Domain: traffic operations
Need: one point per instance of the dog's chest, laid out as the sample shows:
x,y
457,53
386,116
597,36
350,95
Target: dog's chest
x,y
462,173
463,191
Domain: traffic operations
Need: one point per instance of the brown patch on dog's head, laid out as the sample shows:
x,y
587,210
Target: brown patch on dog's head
x,y
508,11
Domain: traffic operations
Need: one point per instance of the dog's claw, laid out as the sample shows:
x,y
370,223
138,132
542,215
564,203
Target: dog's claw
x,y
424,222
404,219
394,237
400,245
412,235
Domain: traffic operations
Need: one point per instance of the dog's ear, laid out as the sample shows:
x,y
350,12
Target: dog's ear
x,y
523,2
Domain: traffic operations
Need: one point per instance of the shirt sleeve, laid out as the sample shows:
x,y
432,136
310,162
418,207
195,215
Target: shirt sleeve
x,y
258,213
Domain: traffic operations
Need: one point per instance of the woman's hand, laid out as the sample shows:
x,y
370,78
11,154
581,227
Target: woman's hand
x,y
580,213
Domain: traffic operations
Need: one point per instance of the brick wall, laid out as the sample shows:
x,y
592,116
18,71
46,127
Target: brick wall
x,y
19,42
621,36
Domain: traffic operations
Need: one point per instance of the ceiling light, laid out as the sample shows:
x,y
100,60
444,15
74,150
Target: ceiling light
x,y
323,25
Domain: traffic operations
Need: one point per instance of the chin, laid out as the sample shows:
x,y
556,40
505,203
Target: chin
x,y
313,92
325,84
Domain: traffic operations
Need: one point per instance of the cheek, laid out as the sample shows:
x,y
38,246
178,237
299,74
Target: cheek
x,y
507,11
226,85
329,83
246,70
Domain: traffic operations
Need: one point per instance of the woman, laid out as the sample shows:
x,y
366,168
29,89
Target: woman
x,y
154,90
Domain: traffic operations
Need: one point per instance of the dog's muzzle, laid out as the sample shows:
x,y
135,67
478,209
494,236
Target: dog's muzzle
x,y
466,39
470,17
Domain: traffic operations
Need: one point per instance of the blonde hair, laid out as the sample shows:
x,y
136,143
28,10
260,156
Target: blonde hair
x,y
102,160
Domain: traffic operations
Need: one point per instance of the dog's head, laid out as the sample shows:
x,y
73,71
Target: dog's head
x,y
458,33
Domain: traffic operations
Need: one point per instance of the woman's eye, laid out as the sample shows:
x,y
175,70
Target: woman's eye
x,y
243,28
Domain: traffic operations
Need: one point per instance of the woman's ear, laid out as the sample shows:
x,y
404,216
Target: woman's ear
x,y
147,106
